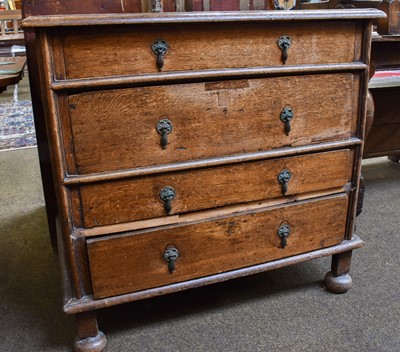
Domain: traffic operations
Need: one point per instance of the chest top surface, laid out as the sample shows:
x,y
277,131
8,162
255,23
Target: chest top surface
x,y
197,17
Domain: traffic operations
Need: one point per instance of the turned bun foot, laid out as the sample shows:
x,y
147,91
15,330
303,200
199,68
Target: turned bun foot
x,y
91,344
338,284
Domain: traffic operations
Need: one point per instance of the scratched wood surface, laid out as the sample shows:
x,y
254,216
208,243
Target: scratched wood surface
x,y
214,246
123,201
127,50
116,129
106,127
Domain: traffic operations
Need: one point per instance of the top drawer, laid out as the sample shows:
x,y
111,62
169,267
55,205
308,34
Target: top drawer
x,y
127,50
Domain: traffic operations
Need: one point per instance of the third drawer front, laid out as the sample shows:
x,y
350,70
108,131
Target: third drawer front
x,y
151,258
193,190
135,127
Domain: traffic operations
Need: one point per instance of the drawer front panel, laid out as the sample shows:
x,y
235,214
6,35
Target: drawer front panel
x,y
125,51
124,201
117,129
133,262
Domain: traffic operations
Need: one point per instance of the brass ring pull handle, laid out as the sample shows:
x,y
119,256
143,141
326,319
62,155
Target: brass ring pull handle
x,y
171,255
164,128
284,177
167,194
284,233
160,48
287,115
284,43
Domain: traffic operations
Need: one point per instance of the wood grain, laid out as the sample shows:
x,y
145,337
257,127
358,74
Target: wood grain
x,y
124,201
127,50
338,15
86,84
223,85
74,306
212,247
116,129
203,214
202,163
384,136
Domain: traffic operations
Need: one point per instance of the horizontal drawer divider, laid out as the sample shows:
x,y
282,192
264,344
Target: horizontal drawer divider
x,y
207,215
73,306
203,163
173,77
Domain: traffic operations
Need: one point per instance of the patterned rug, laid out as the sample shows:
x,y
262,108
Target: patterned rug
x,y
16,125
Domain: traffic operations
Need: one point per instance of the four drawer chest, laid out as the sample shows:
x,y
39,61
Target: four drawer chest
x,y
194,148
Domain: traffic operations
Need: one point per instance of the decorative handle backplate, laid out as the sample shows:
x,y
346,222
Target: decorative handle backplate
x,y
171,255
284,43
284,177
160,48
287,116
167,194
156,6
164,128
283,233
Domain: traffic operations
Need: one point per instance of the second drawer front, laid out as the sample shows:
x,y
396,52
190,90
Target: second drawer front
x,y
137,261
143,198
119,129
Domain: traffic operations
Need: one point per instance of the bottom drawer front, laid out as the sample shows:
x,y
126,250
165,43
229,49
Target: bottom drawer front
x,y
138,260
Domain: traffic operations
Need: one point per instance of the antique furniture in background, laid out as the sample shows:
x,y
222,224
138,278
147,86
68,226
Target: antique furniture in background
x,y
180,161
11,33
384,134
390,25
11,71
10,26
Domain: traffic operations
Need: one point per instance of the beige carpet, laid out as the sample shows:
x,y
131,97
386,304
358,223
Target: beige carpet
x,y
283,310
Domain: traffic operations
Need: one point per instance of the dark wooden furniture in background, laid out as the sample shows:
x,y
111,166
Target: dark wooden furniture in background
x,y
390,25
11,71
180,161
384,135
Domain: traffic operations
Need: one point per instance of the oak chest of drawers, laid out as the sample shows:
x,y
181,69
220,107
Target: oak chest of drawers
x,y
194,148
